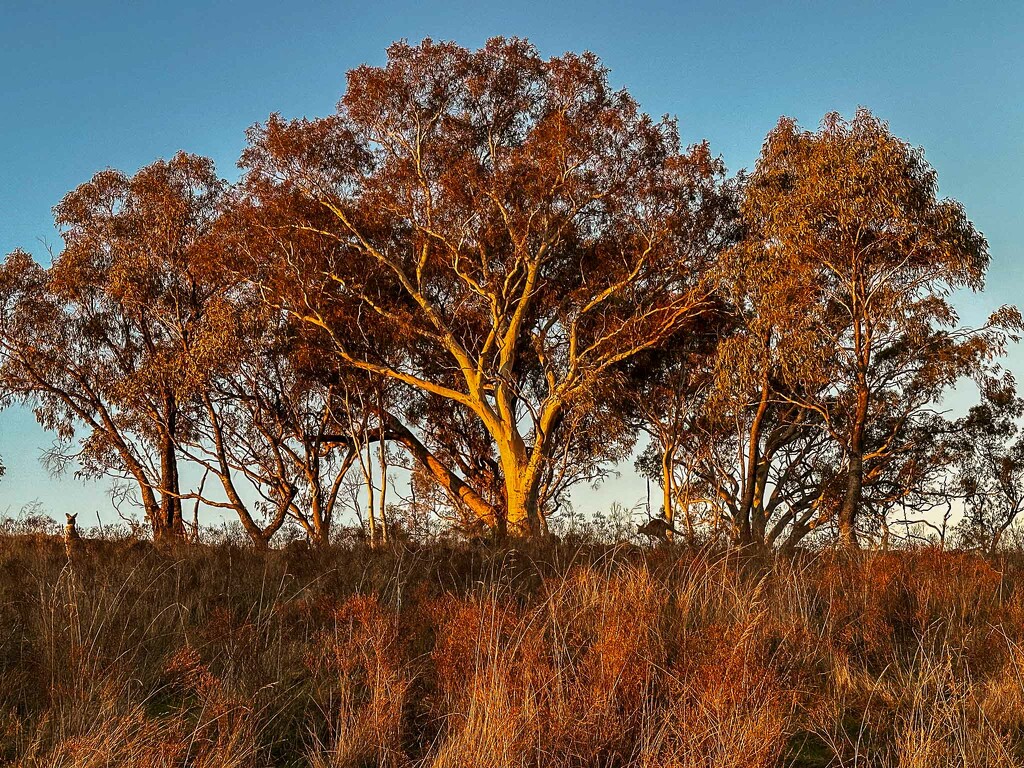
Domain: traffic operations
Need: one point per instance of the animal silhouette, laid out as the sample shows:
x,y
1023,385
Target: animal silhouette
x,y
73,543
657,528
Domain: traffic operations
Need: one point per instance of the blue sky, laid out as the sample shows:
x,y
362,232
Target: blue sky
x,y
84,86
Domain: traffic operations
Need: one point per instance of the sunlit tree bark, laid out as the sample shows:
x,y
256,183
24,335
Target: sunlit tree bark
x,y
505,230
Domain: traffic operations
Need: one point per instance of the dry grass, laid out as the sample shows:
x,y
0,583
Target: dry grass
x,y
217,656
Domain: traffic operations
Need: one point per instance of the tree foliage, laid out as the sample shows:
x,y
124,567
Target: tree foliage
x,y
483,277
853,257
504,231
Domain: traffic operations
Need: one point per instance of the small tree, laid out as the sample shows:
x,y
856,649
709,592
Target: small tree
x,y
265,422
756,449
989,450
668,392
95,341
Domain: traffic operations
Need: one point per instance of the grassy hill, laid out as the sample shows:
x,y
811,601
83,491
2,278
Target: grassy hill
x,y
552,655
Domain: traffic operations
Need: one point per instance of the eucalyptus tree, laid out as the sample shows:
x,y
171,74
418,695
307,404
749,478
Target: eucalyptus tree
x,y
849,217
267,423
504,231
987,447
94,342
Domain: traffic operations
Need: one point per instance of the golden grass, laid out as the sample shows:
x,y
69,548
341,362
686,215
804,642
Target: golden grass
x,y
451,657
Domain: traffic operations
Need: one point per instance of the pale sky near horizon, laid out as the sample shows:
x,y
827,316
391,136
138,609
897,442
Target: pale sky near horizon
x,y
85,86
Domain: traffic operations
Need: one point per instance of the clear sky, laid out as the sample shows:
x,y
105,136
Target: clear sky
x,y
89,85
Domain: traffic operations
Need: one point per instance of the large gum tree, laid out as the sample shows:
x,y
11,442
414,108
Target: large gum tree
x,y
503,231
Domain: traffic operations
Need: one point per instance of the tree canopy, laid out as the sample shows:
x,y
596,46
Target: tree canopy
x,y
488,273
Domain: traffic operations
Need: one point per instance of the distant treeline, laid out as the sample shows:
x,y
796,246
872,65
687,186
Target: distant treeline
x,y
492,276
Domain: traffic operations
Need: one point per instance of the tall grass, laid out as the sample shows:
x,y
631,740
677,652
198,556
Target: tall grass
x,y
551,656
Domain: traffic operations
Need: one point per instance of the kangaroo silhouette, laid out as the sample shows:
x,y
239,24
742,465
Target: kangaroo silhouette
x,y
656,528
72,539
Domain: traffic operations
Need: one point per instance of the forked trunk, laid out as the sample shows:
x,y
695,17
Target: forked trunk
x,y
855,472
320,531
522,487
747,534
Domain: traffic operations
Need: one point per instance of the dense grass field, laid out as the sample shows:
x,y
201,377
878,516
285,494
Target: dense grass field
x,y
463,657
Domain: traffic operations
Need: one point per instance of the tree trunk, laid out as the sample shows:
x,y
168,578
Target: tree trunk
x,y
756,514
321,527
259,536
382,507
169,522
855,472
521,507
151,507
851,502
521,470
371,505
260,542
668,507
750,480
454,485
